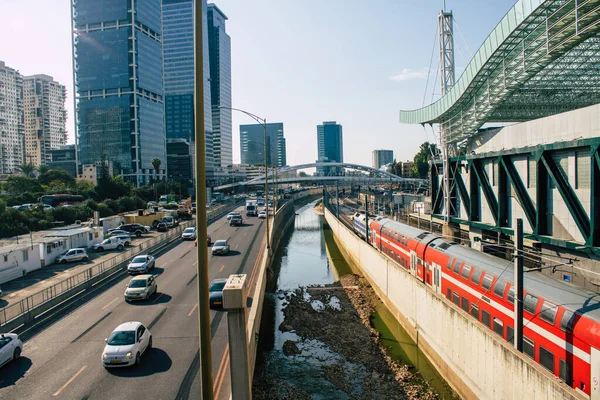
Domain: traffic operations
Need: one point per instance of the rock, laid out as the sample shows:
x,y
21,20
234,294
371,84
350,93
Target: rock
x,y
285,328
290,348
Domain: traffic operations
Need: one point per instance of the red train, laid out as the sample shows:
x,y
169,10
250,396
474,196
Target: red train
x,y
561,321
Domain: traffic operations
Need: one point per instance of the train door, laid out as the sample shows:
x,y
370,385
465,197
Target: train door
x,y
413,262
437,278
595,371
428,277
420,269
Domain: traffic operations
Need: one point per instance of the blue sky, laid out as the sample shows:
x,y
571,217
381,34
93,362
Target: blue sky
x,y
298,62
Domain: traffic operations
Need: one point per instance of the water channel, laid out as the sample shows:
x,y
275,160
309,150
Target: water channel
x,y
309,256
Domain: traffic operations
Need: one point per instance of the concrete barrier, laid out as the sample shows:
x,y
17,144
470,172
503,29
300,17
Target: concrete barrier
x,y
473,360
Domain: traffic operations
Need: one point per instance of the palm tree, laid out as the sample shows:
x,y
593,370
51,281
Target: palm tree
x,y
43,168
26,169
156,164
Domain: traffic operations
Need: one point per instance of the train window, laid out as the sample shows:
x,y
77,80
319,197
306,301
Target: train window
x,y
511,295
564,371
419,262
456,268
547,359
549,311
529,347
485,318
499,288
444,246
475,311
449,294
566,322
510,333
465,272
487,282
530,303
499,326
476,276
465,304
450,260
456,299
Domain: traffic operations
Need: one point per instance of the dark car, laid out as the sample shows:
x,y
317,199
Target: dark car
x,y
135,229
162,227
236,220
215,294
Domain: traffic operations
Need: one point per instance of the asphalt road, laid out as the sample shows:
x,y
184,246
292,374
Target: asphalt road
x,y
64,360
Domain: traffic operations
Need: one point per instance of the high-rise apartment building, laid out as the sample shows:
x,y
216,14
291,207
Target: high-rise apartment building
x,y
178,43
382,157
11,119
119,78
330,145
252,144
219,45
45,118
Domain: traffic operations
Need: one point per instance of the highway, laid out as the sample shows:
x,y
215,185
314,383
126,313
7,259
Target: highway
x,y
64,360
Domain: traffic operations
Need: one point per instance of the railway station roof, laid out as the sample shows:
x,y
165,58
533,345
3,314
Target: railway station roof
x,y
542,58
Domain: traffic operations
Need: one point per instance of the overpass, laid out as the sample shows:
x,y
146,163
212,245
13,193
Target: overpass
x,y
367,175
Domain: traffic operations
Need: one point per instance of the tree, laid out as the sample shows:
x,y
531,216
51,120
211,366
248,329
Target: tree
x,y
16,184
43,169
26,169
421,167
302,174
155,164
56,175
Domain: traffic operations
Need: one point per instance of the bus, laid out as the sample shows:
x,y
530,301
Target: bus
x,y
56,200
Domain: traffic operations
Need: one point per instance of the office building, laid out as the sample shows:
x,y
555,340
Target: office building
x,y
330,146
178,42
45,118
179,159
119,74
11,120
382,157
406,169
252,144
63,158
219,45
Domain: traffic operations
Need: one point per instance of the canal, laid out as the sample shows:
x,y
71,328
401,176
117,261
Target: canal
x,y
292,366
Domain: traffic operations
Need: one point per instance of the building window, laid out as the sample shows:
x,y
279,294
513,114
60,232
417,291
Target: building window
x,y
5,257
475,311
25,255
48,249
498,326
529,347
547,359
485,318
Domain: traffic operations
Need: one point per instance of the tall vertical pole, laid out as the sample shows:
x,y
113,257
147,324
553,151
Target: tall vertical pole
x,y
267,187
74,64
519,285
367,214
337,200
206,384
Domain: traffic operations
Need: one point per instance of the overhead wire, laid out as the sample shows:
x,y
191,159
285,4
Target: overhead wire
x,y
429,71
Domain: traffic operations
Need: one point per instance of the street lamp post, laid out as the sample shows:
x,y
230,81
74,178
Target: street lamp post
x,y
263,122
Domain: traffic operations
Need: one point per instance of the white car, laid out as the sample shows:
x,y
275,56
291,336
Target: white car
x,y
125,238
10,348
126,345
231,214
141,287
141,264
262,214
220,247
189,234
79,254
109,244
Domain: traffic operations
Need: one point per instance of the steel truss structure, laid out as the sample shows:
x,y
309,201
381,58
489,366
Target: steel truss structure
x,y
541,59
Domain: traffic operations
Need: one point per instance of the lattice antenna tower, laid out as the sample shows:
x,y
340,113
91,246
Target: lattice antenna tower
x,y
447,77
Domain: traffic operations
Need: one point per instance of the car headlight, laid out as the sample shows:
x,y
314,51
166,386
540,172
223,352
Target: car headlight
x,y
129,355
104,356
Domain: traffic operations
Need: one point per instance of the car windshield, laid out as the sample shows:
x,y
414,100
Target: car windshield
x,y
189,230
138,260
4,341
121,338
106,241
137,283
220,243
217,286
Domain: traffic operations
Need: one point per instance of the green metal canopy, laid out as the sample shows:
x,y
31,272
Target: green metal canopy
x,y
543,58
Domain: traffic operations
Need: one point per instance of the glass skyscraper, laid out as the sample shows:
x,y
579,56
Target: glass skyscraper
x,y
252,144
330,144
119,85
219,45
178,41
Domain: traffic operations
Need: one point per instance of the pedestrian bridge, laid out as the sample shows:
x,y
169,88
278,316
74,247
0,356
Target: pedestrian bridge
x,y
340,172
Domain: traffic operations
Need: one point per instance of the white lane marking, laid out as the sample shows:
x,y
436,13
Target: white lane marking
x,y
245,233
112,301
193,308
236,246
70,380
223,266
195,262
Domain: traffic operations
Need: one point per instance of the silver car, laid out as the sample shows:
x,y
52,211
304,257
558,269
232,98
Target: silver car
x,y
10,348
220,247
79,254
140,264
141,287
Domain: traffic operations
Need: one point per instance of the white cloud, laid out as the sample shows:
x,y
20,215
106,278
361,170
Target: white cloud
x,y
407,74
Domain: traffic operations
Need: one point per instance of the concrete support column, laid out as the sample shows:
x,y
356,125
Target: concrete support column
x,y
475,236
234,301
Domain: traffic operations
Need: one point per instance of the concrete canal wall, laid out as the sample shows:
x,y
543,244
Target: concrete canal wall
x,y
472,359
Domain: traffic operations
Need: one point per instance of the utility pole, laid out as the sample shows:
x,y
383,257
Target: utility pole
x,y
337,201
367,215
206,383
518,339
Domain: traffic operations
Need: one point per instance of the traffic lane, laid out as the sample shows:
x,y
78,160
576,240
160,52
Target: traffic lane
x,y
65,331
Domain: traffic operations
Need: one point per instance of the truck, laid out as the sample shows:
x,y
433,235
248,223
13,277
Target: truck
x,y
251,209
167,198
